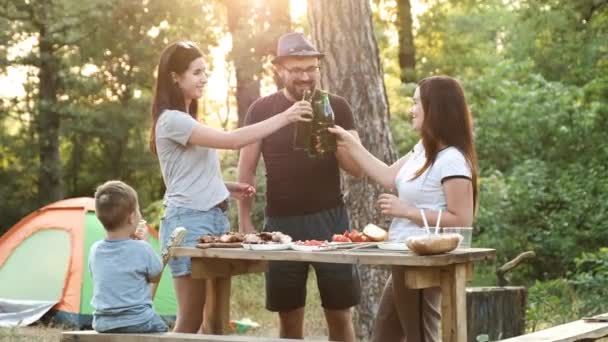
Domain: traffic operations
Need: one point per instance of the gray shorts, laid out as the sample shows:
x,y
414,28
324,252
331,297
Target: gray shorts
x,y
339,284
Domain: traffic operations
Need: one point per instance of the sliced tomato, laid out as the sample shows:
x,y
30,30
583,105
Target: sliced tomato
x,y
340,238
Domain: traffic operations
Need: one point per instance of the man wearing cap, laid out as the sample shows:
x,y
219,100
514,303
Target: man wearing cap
x,y
303,197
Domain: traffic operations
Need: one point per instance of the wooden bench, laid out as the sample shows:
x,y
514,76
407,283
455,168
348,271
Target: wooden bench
x,y
581,330
92,336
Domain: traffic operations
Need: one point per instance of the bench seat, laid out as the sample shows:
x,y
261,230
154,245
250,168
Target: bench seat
x,y
92,336
574,331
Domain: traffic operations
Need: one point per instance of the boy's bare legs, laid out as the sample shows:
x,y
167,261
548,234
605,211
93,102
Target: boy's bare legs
x,y
292,323
190,295
340,324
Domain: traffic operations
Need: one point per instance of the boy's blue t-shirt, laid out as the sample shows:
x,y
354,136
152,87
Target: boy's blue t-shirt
x,y
121,292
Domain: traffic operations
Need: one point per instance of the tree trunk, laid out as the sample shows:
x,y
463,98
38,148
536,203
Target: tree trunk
x,y
343,30
50,187
251,42
499,312
407,50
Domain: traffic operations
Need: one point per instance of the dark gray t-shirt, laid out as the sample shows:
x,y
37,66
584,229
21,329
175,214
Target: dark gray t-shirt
x,y
121,292
192,173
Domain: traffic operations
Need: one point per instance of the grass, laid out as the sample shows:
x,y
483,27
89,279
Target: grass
x,y
247,301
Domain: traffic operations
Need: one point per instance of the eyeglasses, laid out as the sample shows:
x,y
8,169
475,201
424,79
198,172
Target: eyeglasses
x,y
298,71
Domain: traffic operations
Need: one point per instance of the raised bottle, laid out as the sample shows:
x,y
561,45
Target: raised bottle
x,y
323,141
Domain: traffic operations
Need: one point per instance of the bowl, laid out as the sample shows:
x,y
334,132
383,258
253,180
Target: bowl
x,y
430,244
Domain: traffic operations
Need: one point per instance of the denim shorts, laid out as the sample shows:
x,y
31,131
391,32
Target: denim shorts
x,y
154,325
197,223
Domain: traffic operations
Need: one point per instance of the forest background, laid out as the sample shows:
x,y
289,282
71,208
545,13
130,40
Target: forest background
x,y
76,80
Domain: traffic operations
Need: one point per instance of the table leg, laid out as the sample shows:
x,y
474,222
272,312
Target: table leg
x,y
454,303
217,306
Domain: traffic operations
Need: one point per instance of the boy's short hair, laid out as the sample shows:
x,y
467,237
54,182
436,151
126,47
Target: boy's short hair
x,y
114,202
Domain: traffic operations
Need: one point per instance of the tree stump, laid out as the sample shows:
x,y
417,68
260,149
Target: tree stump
x,y
498,312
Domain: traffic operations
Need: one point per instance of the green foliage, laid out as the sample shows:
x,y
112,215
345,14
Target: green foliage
x,y
461,37
590,278
550,303
582,294
107,60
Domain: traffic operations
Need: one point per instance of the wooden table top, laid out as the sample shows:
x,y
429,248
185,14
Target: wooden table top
x,y
368,256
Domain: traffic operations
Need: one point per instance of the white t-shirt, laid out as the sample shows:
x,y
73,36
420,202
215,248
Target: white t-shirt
x,y
192,173
426,191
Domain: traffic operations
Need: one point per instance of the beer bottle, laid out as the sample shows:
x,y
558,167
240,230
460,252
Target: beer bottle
x,y
322,140
302,134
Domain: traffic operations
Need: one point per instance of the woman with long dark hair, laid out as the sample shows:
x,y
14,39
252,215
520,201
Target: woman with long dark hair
x,y
196,195
438,177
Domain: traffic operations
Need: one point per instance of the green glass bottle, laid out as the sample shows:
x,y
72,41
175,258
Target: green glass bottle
x,y
322,141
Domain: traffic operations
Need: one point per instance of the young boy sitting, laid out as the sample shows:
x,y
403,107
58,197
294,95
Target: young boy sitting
x,y
122,267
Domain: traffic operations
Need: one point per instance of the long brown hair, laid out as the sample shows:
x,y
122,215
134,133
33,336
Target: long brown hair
x,y
167,95
447,121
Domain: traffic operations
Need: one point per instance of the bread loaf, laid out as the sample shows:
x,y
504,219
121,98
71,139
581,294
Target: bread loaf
x,y
375,233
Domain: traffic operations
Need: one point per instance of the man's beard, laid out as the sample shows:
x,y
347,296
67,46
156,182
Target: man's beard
x,y
296,89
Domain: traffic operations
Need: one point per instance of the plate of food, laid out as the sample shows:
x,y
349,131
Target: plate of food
x,y
371,233
312,246
266,241
263,241
228,240
393,246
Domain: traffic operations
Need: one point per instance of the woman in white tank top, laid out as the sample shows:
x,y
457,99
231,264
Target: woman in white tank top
x,y
438,174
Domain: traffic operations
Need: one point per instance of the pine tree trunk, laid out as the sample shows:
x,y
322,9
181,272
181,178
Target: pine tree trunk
x,y
343,30
407,50
50,187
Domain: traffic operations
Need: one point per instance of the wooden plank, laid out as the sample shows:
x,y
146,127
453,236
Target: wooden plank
x,y
213,268
425,277
453,303
470,271
92,336
344,257
569,332
421,277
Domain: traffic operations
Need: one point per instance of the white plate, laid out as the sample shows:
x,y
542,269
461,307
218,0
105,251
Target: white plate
x,y
304,248
393,246
266,246
340,243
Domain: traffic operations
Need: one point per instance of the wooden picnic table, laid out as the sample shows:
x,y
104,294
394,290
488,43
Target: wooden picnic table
x,y
448,271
